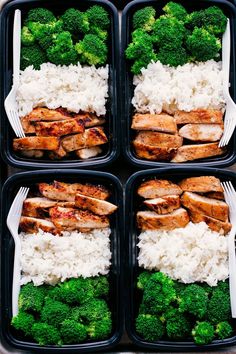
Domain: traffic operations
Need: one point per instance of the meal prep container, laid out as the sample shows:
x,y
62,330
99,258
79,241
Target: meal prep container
x,y
133,202
112,125
128,88
9,191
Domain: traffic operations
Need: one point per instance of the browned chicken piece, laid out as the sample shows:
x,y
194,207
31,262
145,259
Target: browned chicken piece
x,y
36,143
37,154
66,192
156,188
90,119
199,116
91,137
216,195
57,154
32,225
202,132
149,220
87,153
27,125
72,219
59,128
214,224
37,207
207,206
202,184
194,152
41,113
164,205
97,206
158,122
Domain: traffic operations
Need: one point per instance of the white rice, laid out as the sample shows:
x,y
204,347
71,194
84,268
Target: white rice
x,y
190,254
188,87
51,259
73,87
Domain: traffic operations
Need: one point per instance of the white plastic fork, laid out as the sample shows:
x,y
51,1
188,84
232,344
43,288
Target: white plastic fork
x,y
230,112
230,198
10,103
13,221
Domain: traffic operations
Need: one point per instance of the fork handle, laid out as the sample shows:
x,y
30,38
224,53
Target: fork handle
x,y
16,47
232,271
16,277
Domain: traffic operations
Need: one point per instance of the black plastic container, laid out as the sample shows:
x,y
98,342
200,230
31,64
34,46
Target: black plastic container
x,y
128,89
112,125
115,275
133,203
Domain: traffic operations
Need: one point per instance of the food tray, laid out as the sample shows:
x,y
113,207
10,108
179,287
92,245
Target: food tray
x,y
127,78
131,271
7,247
112,125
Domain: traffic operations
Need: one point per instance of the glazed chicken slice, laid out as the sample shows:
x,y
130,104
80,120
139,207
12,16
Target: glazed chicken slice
x,y
66,192
42,113
149,220
216,195
164,205
32,225
36,143
156,188
87,153
38,206
97,206
214,224
158,122
202,184
90,119
59,128
73,219
207,206
194,152
199,116
202,132
27,125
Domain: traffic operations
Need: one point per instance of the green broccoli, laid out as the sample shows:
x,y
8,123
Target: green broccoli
x,y
179,287
223,285
31,297
100,286
144,18
143,62
202,45
98,17
55,312
203,333
172,57
75,21
45,33
46,334
92,310
143,279
177,324
100,329
32,55
102,34
168,31
173,9
41,15
73,332
92,50
62,52
219,308
223,330
23,322
208,289
149,327
194,300
27,38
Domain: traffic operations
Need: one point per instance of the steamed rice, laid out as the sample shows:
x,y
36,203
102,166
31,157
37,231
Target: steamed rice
x,y
72,87
188,87
51,259
190,254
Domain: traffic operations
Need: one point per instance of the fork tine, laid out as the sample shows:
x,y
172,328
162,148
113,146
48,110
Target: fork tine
x,y
14,122
19,126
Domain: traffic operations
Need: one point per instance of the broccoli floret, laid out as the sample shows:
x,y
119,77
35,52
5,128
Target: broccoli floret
x,y
143,62
168,31
208,289
98,17
27,38
158,293
23,322
219,308
31,297
143,279
194,300
223,330
55,312
62,52
177,324
179,287
203,333
149,327
45,334
75,21
223,285
173,9
100,329
92,50
202,45
172,57
41,15
102,34
45,33
32,55
73,332
93,310
144,18
100,286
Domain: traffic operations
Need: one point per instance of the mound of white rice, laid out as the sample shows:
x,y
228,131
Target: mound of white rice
x,y
186,87
51,259
190,254
73,87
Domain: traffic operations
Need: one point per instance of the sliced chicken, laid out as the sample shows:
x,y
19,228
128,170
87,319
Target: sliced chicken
x,y
87,153
202,184
214,224
59,128
36,143
72,219
199,116
90,119
38,206
164,205
37,154
158,122
27,125
97,206
149,220
32,225
207,206
194,152
216,195
57,154
156,188
202,132
91,137
66,192
41,113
